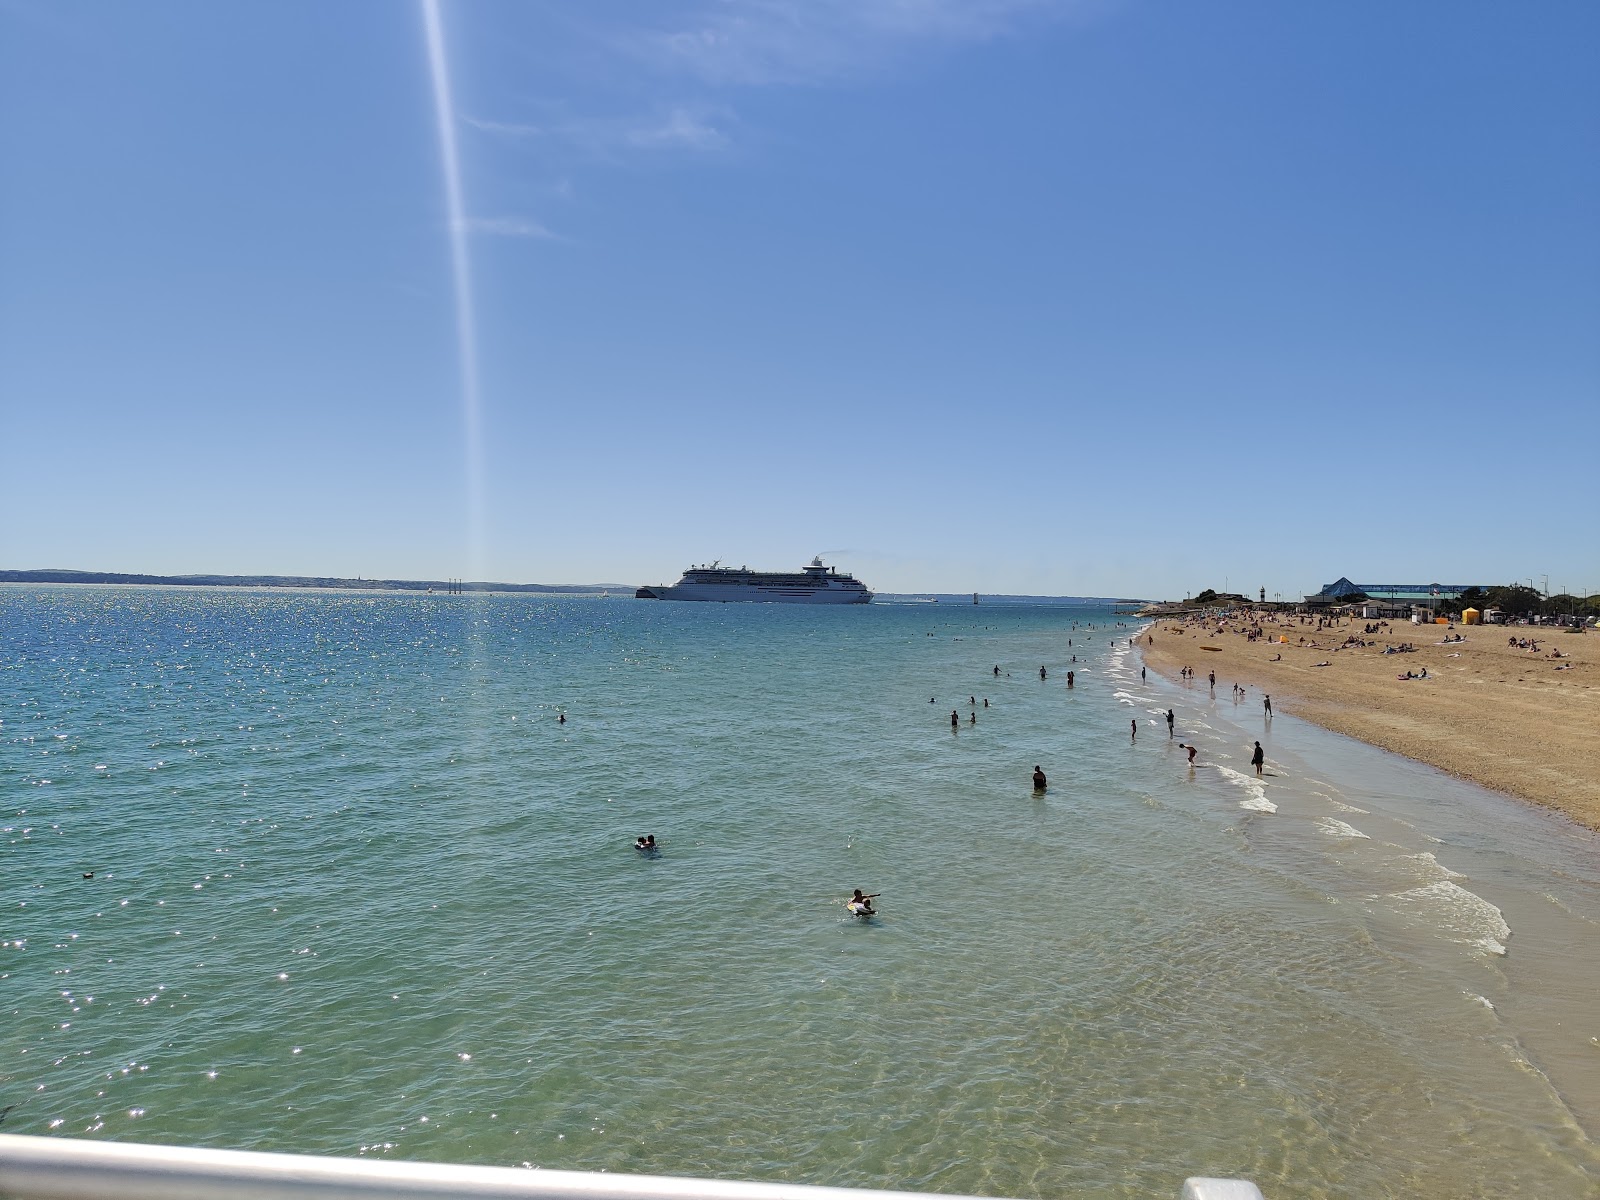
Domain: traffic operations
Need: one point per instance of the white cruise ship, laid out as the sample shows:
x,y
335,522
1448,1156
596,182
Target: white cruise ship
x,y
816,584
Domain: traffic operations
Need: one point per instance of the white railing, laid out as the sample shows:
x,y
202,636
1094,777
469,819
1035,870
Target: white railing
x,y
49,1168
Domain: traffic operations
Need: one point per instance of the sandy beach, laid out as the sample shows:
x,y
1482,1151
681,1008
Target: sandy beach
x,y
1513,719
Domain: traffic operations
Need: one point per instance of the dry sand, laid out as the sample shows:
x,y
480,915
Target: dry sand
x,y
1503,717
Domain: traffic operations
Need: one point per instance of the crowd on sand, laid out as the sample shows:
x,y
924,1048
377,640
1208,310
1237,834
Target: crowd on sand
x,y
1514,713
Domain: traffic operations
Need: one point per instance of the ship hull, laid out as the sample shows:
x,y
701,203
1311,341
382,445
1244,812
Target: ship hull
x,y
756,593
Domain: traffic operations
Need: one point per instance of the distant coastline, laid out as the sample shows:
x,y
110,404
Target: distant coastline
x,y
303,581
333,583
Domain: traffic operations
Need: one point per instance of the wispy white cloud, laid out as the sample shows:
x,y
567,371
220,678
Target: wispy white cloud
x,y
686,127
681,128
507,227
504,128
756,42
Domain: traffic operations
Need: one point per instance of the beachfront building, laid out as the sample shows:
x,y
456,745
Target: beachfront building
x,y
1397,599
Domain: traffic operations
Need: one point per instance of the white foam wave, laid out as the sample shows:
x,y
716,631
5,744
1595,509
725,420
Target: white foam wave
x,y
1338,828
1431,866
1483,1000
1341,806
1465,916
1257,800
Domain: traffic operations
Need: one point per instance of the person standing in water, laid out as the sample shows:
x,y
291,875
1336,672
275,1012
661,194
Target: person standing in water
x,y
1133,730
1041,672
1170,719
955,720
1258,758
1070,674
1039,781
1267,704
862,905
997,670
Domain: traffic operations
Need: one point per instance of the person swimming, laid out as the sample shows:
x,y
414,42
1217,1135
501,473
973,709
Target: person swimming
x,y
1039,781
861,904
645,843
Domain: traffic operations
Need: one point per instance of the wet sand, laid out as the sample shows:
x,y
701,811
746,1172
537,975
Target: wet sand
x,y
1503,717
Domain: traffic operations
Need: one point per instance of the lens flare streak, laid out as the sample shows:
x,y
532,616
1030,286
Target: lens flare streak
x,y
461,271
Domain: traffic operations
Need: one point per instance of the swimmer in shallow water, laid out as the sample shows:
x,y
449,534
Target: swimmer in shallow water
x,y
1039,781
645,842
862,905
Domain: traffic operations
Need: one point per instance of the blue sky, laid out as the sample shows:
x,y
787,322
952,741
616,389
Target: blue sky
x,y
1082,297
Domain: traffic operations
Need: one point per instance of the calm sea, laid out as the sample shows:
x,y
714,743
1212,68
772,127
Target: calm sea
x,y
356,891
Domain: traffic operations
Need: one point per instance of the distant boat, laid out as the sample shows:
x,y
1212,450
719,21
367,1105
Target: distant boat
x,y
816,584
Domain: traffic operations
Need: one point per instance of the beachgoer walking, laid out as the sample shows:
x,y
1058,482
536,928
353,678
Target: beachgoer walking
x,y
1258,758
1141,674
1267,703
1170,719
1213,679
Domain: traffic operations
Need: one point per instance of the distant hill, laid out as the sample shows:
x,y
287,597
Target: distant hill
x,y
301,581
959,598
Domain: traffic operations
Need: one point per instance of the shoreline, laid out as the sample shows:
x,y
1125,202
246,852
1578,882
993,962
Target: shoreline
x,y
1507,718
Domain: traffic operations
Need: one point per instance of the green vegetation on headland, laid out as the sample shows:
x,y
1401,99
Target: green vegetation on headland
x,y
301,581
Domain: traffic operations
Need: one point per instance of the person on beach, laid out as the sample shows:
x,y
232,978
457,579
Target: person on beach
x,y
1170,719
1267,704
1141,674
1192,751
1213,678
1039,780
1258,758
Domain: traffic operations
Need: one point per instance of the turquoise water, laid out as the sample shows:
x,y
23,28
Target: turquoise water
x,y
356,891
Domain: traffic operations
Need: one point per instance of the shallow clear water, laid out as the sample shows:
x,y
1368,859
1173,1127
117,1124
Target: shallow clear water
x,y
356,891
